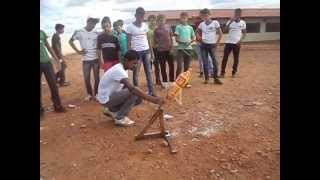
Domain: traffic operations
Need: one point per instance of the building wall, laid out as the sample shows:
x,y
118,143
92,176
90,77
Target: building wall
x,y
251,37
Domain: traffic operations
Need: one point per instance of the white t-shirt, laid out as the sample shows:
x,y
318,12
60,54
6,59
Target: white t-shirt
x,y
139,40
110,82
235,31
88,42
209,35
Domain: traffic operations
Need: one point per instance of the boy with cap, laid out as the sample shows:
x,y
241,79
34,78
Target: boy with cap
x,y
87,37
138,41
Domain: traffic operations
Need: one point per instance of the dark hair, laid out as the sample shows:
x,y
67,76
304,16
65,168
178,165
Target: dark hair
x,y
131,55
183,14
238,10
205,11
151,17
59,26
140,10
115,24
120,22
105,19
160,16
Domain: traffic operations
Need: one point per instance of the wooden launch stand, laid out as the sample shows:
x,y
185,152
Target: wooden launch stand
x,y
163,133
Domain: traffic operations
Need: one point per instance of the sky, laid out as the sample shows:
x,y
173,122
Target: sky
x,y
73,13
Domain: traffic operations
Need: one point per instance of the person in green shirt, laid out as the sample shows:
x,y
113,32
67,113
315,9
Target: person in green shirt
x,y
47,69
184,36
122,37
153,47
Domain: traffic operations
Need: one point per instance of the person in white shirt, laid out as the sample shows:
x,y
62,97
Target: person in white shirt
x,y
117,95
237,32
87,37
209,41
138,41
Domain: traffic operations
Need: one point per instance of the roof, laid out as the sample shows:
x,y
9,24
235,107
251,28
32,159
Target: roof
x,y
219,13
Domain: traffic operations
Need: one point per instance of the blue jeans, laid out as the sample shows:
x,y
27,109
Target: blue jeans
x,y
121,102
209,50
200,60
144,57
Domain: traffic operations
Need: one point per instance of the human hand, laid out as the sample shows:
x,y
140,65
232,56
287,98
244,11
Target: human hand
x,y
82,52
159,100
58,65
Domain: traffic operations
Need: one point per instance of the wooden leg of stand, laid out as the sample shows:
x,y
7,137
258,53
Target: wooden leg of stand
x,y
151,121
162,128
173,148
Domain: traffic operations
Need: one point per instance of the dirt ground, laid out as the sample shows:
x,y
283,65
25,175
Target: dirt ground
x,y
225,132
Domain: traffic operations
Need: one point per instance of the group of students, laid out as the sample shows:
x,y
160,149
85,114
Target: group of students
x,y
116,51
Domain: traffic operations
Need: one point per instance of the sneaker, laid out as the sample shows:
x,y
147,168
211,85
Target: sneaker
x,y
206,82
188,85
221,75
124,122
108,113
60,109
88,98
217,81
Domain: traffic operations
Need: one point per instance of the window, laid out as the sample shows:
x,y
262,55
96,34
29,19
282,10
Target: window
x,y
253,27
273,27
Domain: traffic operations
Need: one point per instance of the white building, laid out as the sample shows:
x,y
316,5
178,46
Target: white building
x,y
262,24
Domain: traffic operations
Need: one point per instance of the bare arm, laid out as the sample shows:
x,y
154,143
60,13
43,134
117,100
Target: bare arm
x,y
59,51
53,54
100,57
228,24
198,35
51,51
129,36
139,93
219,35
244,33
74,47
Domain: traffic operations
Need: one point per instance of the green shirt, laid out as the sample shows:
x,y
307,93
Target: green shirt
x,y
44,56
122,37
185,34
151,37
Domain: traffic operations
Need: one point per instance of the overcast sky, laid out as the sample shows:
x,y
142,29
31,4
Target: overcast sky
x,y
73,13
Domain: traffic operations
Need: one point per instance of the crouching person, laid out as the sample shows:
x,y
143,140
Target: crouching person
x,y
117,95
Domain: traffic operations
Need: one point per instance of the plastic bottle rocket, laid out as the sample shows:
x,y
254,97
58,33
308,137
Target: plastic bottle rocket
x,y
176,89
